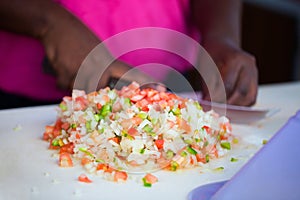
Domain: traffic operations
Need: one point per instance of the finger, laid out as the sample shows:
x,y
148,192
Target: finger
x,y
230,74
64,78
245,91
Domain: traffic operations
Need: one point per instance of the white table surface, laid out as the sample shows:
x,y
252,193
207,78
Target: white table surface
x,y
28,171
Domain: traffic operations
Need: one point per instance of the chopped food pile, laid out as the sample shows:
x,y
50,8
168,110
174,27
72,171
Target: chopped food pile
x,y
116,132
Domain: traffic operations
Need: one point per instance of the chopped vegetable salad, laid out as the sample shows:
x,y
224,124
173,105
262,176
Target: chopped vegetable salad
x,y
114,132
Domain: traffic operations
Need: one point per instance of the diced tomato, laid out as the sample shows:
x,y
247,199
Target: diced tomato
x,y
105,98
85,161
133,86
195,146
132,131
58,124
136,121
200,158
81,103
65,160
223,137
99,106
183,125
164,96
65,126
126,123
143,105
207,129
159,143
115,139
151,178
120,175
83,178
67,148
102,166
137,97
226,127
214,151
48,134
116,107
181,105
163,162
109,169
155,97
78,136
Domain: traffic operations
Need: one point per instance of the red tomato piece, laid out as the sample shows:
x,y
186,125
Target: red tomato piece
x,y
137,97
83,178
67,148
65,160
48,134
151,178
159,143
120,175
132,131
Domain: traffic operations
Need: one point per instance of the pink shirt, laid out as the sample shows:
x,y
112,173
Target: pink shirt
x,y
21,57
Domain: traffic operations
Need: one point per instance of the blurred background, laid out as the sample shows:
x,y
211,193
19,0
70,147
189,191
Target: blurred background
x,y
271,32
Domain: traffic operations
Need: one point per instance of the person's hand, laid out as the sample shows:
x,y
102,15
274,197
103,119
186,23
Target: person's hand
x,y
70,46
67,42
238,71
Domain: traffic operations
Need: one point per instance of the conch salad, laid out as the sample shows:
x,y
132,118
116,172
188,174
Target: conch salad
x,y
115,132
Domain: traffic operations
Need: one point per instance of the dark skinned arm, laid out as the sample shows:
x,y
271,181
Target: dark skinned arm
x,y
219,24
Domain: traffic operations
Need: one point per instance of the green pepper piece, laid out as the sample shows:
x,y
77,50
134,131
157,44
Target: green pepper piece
x,y
147,128
191,150
226,145
105,110
63,106
146,184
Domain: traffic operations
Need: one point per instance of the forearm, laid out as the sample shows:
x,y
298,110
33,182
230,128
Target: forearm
x,y
30,17
217,19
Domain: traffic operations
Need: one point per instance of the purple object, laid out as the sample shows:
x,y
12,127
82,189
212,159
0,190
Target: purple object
x,y
273,173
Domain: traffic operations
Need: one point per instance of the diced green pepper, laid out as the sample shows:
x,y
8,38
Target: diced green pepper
x,y
197,140
176,111
101,130
233,159
146,184
63,106
226,145
73,125
105,110
98,117
188,141
235,141
218,169
183,154
154,121
142,115
170,154
142,151
84,150
55,143
264,142
205,143
127,101
88,125
147,128
174,165
206,158
99,161
197,105
191,150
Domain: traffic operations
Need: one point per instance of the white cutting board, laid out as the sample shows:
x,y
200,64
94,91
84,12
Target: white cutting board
x,y
28,170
